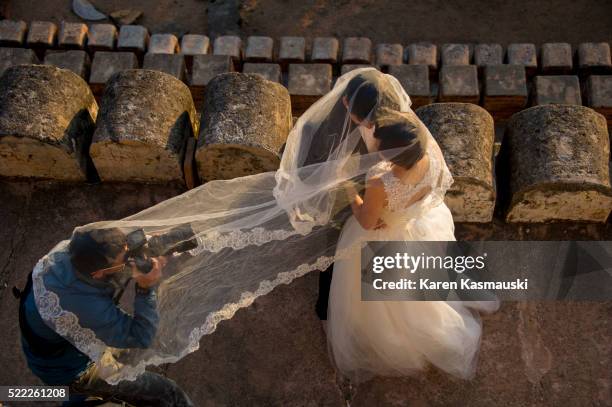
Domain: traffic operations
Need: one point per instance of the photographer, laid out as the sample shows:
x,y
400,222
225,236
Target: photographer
x,y
87,279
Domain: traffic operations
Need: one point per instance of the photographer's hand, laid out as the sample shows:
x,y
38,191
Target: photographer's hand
x,y
151,278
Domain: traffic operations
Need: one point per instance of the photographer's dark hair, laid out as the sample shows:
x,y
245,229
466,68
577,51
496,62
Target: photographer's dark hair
x,y
93,250
397,130
362,92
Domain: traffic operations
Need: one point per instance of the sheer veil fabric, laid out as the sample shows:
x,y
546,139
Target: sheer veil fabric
x,y
253,233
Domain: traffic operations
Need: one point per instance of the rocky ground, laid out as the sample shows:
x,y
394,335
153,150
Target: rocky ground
x,y
274,353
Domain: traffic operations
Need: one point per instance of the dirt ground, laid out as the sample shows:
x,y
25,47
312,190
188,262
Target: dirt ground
x,y
439,21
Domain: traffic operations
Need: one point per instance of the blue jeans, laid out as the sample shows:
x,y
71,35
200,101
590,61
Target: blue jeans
x,y
149,389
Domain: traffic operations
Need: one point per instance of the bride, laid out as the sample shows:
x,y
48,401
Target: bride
x,y
250,234
391,338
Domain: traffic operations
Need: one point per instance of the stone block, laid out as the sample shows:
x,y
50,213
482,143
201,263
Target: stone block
x,y
12,33
307,83
423,53
47,120
72,35
235,142
102,37
525,55
556,58
556,159
459,83
325,50
389,54
133,38
292,50
350,67
42,35
259,49
564,89
194,44
172,64
599,95
206,67
230,45
415,81
145,120
271,72
455,54
75,60
465,133
505,90
105,64
163,44
488,54
16,56
357,50
594,58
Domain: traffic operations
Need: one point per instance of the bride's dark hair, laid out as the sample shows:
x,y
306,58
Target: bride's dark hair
x,y
397,130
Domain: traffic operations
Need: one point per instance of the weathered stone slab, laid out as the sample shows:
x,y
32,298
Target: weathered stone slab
x,y
145,119
525,55
389,54
415,81
423,53
133,38
556,58
47,118
230,45
455,54
102,37
72,35
563,89
505,90
599,95
259,49
206,67
271,72
245,122
465,133
325,50
594,58
292,50
42,35
75,60
357,50
459,83
307,83
105,64
488,54
172,64
163,44
557,165
350,67
12,33
16,56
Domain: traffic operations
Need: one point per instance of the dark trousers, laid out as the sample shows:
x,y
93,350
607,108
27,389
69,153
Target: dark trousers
x,y
325,278
149,389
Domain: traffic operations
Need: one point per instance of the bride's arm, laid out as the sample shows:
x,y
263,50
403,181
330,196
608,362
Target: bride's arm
x,y
367,211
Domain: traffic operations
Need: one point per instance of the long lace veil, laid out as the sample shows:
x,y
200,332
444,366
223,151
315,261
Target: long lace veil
x,y
247,235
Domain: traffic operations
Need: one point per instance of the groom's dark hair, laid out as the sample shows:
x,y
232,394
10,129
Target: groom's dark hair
x,y
397,130
362,96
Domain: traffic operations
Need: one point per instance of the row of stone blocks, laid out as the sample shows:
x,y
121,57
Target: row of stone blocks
x,y
503,89
552,58
553,164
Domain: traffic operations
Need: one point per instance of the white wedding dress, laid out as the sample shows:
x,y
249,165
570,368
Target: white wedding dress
x,y
393,338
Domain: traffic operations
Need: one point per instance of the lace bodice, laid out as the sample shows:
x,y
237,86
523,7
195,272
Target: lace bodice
x,y
398,192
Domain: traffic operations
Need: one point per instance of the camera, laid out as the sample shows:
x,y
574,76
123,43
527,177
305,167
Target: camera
x,y
142,247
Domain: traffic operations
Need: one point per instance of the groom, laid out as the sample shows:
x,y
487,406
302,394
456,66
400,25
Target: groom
x,y
366,92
